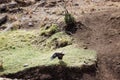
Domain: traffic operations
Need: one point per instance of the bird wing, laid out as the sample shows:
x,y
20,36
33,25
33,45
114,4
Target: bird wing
x,y
53,56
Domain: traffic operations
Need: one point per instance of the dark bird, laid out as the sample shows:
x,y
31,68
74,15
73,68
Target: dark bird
x,y
59,55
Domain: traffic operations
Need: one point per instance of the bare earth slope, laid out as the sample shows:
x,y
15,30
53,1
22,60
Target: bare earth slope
x,y
103,35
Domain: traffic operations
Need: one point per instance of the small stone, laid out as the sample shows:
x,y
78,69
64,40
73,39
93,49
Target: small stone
x,y
3,8
76,4
110,41
85,47
30,24
25,65
92,9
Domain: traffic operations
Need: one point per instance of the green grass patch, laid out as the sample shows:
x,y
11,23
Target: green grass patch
x,y
17,50
16,39
14,60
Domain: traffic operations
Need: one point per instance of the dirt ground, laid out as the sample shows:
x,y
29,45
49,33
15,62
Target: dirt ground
x,y
100,31
55,73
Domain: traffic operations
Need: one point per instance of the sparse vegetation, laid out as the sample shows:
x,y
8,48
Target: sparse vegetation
x,y
49,30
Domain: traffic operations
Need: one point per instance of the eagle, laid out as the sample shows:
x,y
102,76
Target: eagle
x,y
59,55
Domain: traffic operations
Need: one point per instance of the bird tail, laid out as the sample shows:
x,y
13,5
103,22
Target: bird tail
x,y
52,57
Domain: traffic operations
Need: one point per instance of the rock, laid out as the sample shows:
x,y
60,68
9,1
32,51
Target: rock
x,y
12,4
85,47
8,6
3,19
3,8
30,24
4,1
93,9
8,79
4,79
25,65
76,4
25,2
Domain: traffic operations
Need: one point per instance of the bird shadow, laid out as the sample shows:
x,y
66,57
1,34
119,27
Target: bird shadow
x,y
62,63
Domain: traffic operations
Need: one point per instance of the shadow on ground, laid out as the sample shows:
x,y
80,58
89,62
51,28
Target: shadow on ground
x,y
55,72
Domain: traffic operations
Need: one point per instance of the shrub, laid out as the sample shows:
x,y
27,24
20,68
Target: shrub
x,y
69,19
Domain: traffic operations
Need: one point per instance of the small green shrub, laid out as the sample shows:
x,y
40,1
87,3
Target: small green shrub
x,y
69,19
